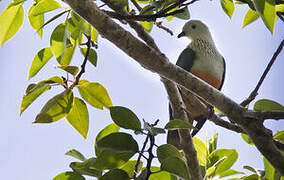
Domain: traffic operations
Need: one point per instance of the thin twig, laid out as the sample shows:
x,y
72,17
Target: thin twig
x,y
83,64
159,25
139,157
146,17
151,155
255,91
220,122
136,5
280,15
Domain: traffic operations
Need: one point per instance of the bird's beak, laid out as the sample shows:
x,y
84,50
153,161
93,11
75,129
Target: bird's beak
x,y
181,34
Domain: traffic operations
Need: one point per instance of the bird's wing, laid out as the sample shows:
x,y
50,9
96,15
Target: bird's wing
x,y
223,76
186,59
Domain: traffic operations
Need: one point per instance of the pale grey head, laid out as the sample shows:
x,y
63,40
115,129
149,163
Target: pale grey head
x,y
195,29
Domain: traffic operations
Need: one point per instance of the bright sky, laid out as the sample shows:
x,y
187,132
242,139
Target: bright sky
x,y
36,151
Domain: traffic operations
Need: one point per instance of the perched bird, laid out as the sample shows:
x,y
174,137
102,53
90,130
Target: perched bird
x,y
202,59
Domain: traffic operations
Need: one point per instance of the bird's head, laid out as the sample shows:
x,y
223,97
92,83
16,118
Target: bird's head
x,y
194,29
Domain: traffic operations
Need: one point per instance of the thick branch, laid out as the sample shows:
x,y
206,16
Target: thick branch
x,y
157,62
184,135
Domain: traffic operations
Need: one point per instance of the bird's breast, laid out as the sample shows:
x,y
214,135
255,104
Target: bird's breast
x,y
209,68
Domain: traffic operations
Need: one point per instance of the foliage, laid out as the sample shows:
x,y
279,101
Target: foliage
x,y
115,150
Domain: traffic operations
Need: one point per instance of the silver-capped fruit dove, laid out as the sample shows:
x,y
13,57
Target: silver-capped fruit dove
x,y
202,59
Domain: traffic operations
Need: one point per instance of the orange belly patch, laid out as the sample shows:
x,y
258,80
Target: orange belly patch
x,y
208,78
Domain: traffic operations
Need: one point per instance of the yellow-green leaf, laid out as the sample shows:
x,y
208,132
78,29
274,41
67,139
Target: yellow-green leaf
x,y
147,25
11,19
267,105
39,61
92,57
78,116
94,35
228,7
30,97
70,69
36,21
68,175
95,94
61,45
44,6
81,23
56,108
279,8
202,151
266,10
250,17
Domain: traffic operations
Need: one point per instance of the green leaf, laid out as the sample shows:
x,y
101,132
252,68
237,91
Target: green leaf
x,y
31,96
56,108
230,155
111,128
117,174
118,142
228,7
11,19
279,8
202,151
167,150
147,25
155,131
108,159
39,61
279,136
70,69
36,21
184,14
92,57
60,44
179,124
250,17
213,143
267,105
52,19
229,172
175,166
269,169
266,10
125,118
15,2
156,175
69,176
83,168
94,35
247,139
81,24
95,94
33,91
250,169
44,6
129,167
76,154
210,171
78,117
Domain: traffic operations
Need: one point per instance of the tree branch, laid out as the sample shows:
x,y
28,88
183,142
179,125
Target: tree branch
x,y
185,139
146,17
157,62
82,71
139,157
254,93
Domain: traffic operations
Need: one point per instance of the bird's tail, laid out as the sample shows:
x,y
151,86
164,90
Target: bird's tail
x,y
200,122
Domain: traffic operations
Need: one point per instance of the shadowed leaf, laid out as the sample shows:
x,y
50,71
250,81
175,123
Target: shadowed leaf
x,y
56,108
125,118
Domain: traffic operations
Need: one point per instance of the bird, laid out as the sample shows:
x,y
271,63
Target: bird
x,y
202,59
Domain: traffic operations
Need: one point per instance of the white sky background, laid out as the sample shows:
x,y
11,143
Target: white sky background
x,y
36,151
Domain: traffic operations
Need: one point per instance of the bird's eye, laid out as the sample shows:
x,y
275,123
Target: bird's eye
x,y
193,26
